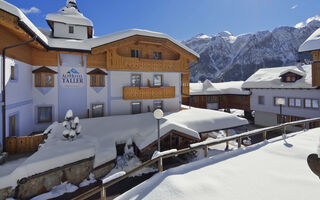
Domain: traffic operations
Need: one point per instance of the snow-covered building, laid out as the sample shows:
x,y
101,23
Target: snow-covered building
x,y
223,95
132,71
291,83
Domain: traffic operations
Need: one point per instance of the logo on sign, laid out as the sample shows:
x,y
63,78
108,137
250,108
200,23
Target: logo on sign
x,y
72,78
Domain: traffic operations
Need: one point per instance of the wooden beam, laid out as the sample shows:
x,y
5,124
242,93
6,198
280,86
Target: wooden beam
x,y
82,61
60,61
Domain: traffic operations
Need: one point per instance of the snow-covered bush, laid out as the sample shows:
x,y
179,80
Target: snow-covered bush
x,y
72,126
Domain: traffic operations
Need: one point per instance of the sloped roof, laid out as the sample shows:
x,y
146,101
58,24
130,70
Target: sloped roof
x,y
97,71
87,44
209,88
270,78
312,43
44,69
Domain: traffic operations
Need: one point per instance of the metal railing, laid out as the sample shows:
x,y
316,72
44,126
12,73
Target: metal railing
x,y
201,145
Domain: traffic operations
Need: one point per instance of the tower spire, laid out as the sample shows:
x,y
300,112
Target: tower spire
x,y
72,3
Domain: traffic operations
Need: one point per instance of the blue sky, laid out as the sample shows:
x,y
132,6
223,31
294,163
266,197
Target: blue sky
x,y
181,19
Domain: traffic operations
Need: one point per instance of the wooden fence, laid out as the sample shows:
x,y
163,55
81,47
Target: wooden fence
x,y
197,146
25,144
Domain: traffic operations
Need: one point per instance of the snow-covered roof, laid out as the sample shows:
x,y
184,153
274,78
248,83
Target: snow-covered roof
x,y
69,15
270,78
209,88
99,137
276,169
18,13
312,43
87,44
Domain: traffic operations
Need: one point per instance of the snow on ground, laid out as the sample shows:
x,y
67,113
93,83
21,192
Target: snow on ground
x,y
10,166
275,169
99,136
57,191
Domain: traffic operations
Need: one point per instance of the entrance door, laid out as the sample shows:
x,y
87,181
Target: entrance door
x,y
12,126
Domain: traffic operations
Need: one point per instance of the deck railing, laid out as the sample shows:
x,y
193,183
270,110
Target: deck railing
x,y
24,144
197,146
137,93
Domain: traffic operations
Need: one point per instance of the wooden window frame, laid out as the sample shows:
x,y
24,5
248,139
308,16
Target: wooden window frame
x,y
12,75
294,102
161,102
260,102
139,85
140,105
154,81
14,125
71,29
44,121
97,76
42,79
135,53
97,104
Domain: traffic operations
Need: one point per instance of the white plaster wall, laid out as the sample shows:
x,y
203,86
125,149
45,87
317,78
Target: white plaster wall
x,y
120,79
48,97
62,30
265,118
97,94
269,106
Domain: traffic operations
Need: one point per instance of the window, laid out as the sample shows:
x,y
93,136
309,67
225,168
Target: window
x,y
288,79
261,100
12,75
135,53
157,55
71,29
136,107
44,80
294,102
157,80
12,126
315,103
212,99
311,103
97,80
157,105
44,114
97,110
136,80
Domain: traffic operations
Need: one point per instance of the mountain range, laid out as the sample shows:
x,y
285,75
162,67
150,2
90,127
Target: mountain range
x,y
225,57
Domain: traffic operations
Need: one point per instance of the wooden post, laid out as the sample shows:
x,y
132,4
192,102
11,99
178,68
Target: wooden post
x,y
206,151
284,130
239,143
103,195
160,167
170,140
227,143
264,135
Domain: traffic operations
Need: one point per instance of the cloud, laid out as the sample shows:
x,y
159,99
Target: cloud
x,y
30,10
310,19
294,7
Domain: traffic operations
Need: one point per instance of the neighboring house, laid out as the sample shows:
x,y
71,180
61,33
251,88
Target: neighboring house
x,y
293,83
132,71
225,95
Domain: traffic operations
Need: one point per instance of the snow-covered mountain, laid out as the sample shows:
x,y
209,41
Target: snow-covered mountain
x,y
231,58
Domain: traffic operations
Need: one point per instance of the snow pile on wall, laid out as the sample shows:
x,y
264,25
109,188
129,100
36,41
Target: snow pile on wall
x,y
270,78
99,137
268,170
209,88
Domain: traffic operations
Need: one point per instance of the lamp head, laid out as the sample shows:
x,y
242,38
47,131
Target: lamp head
x,y
158,114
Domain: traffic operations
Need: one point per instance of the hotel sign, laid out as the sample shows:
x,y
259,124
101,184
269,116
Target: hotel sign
x,y
71,77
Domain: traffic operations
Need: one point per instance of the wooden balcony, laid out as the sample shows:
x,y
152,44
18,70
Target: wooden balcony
x,y
116,62
137,93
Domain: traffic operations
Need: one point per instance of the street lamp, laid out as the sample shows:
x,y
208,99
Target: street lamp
x,y
158,114
281,102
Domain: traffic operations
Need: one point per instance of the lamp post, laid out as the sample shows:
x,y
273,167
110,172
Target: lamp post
x,y
158,114
281,102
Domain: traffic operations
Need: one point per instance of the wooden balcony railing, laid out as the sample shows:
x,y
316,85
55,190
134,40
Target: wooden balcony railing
x,y
136,93
116,62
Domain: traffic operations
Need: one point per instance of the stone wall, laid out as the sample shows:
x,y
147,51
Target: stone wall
x,y
73,173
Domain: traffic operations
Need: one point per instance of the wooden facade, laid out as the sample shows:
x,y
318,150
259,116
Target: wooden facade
x,y
241,102
111,56
316,68
137,93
